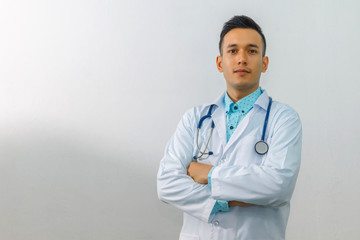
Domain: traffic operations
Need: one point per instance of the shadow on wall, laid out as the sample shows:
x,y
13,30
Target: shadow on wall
x,y
59,184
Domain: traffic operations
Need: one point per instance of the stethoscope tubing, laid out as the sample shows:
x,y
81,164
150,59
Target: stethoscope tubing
x,y
261,147
208,115
266,119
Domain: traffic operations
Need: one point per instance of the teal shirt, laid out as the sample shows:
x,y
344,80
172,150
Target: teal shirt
x,y
235,112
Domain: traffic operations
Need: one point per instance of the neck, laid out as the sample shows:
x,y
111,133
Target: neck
x,y
237,94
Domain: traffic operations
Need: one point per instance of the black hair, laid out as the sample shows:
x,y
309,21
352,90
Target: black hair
x,y
241,22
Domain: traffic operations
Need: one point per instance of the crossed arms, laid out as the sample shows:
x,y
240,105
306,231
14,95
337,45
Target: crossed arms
x,y
199,173
183,183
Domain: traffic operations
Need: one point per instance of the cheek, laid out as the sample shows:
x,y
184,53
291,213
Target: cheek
x,y
259,65
227,64
227,69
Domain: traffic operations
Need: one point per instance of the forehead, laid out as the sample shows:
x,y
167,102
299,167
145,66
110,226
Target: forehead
x,y
242,37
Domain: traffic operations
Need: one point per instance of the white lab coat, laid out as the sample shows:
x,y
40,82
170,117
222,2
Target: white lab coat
x,y
240,174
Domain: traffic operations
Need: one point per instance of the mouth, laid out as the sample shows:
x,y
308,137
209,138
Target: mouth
x,y
241,71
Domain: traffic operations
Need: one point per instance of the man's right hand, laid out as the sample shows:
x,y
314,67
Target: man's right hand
x,y
236,203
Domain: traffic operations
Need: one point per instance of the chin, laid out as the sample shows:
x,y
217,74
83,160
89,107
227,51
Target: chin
x,y
245,86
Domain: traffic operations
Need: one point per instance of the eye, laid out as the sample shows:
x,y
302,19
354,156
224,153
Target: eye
x,y
252,51
232,51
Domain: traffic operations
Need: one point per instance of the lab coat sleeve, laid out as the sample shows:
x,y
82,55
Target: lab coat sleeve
x,y
271,183
174,186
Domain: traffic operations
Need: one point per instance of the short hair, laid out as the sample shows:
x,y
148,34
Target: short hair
x,y
241,22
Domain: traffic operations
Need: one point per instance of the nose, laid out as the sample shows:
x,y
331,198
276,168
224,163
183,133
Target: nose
x,y
241,58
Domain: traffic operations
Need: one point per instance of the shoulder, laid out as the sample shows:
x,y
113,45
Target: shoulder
x,y
192,116
283,115
283,110
196,112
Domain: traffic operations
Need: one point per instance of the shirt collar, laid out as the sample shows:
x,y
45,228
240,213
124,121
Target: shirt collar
x,y
262,101
244,104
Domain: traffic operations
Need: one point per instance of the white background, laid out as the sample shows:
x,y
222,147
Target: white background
x,y
91,91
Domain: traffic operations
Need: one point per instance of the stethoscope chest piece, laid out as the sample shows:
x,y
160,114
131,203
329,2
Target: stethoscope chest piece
x,y
261,147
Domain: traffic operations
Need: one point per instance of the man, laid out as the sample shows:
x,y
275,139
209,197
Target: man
x,y
228,185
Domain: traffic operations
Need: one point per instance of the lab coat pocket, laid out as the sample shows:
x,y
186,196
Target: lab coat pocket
x,y
184,236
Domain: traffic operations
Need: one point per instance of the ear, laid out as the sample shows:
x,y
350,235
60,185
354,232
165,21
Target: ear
x,y
265,63
219,63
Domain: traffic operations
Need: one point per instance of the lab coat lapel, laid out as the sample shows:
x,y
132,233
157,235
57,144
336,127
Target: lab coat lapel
x,y
239,131
219,120
218,116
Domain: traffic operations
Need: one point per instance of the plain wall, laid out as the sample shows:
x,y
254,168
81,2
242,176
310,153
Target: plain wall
x,y
92,90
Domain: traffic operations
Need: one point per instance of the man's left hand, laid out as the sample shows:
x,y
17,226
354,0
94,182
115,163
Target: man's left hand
x,y
199,172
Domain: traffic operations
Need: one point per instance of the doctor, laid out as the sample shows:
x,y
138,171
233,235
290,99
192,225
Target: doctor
x,y
228,188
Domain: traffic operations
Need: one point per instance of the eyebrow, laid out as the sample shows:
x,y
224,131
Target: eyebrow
x,y
249,45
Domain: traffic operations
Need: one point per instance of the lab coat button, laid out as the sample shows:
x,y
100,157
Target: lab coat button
x,y
216,223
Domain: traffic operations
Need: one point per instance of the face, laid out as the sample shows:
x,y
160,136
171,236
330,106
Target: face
x,y
241,61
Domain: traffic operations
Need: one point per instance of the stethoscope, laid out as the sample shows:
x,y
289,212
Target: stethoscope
x,y
261,147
